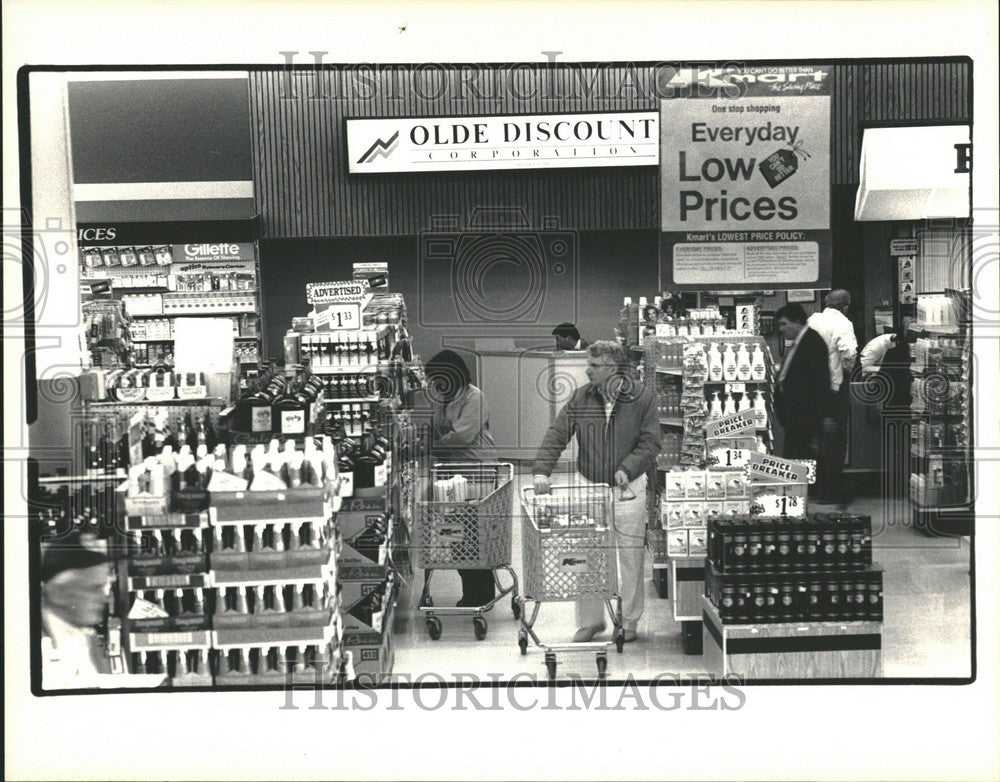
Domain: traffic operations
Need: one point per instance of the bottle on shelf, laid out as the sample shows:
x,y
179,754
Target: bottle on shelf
x,y
729,368
744,403
760,409
715,409
758,367
715,370
729,405
744,367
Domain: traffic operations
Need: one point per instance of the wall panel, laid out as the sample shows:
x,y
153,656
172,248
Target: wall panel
x,y
301,165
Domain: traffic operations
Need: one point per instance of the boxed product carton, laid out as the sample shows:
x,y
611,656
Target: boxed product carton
x,y
697,542
677,542
695,485
715,488
694,514
365,526
736,485
672,514
676,488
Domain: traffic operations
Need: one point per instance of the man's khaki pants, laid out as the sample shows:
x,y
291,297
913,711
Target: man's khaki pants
x,y
630,539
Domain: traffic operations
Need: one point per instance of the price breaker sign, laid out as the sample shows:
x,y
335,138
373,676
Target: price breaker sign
x,y
777,486
732,425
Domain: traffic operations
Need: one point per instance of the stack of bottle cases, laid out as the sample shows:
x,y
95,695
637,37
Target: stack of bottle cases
x,y
240,591
765,570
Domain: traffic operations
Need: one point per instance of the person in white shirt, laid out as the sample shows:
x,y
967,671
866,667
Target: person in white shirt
x,y
874,352
837,331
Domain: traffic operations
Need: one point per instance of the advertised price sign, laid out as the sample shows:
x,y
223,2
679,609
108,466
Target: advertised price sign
x,y
344,291
745,179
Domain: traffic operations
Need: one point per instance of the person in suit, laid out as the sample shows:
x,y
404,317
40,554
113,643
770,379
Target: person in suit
x,y
803,396
568,337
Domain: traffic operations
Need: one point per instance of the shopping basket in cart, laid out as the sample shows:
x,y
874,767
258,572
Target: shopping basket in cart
x,y
569,554
465,527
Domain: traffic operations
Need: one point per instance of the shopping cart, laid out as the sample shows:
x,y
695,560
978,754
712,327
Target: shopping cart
x,y
569,554
471,534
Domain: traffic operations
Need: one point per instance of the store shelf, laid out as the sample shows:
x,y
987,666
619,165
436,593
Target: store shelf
x,y
106,405
918,330
345,370
59,480
192,314
672,422
352,400
171,339
670,371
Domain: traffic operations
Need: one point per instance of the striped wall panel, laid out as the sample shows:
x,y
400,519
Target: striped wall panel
x,y
300,162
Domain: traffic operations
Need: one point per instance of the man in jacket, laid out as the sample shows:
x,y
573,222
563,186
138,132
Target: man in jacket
x,y
616,424
803,398
837,331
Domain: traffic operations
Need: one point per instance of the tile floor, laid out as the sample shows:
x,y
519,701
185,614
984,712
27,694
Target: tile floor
x,y
926,633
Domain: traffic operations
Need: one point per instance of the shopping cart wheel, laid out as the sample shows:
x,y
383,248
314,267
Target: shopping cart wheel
x,y
479,626
550,664
602,666
619,639
522,641
434,627
515,608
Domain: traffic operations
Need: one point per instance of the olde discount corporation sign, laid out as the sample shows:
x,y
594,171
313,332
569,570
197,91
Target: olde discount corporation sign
x,y
381,146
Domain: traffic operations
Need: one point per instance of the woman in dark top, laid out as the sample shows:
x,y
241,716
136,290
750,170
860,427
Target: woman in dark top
x,y
461,433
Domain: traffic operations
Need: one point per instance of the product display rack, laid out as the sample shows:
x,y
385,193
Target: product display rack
x,y
793,598
165,281
941,416
681,380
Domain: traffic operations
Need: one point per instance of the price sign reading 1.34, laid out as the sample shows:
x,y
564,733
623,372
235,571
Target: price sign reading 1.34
x,y
729,457
339,317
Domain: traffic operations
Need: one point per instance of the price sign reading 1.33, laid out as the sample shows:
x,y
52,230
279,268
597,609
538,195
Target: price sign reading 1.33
x,y
339,317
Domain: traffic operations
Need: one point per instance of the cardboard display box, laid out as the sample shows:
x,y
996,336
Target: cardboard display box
x,y
793,650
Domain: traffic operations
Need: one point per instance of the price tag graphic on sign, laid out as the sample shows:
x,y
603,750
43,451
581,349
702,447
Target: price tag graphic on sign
x,y
339,317
730,457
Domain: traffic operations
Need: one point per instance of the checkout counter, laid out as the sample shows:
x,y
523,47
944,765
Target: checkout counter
x,y
525,390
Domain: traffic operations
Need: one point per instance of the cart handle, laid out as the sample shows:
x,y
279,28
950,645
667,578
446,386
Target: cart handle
x,y
607,493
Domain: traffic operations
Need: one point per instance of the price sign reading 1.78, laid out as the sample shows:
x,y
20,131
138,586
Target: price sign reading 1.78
x,y
778,505
339,317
